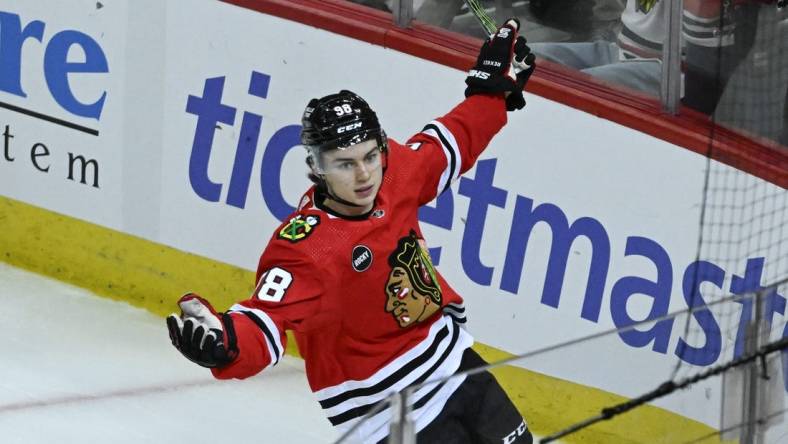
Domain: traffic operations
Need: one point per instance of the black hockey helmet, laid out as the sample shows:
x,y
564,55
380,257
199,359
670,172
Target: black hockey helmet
x,y
338,121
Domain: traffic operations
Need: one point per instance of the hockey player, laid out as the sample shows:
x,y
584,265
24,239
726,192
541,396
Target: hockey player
x,y
350,275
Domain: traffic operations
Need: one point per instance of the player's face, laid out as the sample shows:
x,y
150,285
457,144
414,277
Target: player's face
x,y
354,174
405,303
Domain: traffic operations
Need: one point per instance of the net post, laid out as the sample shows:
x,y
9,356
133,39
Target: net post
x,y
401,430
756,336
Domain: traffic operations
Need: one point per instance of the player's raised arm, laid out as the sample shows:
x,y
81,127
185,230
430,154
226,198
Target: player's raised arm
x,y
449,145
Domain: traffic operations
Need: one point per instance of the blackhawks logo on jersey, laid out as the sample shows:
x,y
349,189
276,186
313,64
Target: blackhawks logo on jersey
x,y
299,228
645,6
413,293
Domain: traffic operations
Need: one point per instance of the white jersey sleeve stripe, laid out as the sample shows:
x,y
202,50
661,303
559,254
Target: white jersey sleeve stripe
x,y
267,326
451,150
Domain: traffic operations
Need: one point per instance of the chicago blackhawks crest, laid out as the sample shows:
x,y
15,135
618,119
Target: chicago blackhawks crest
x,y
413,293
299,228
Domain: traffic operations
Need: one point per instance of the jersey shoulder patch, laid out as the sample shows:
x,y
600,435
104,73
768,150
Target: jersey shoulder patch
x,y
299,228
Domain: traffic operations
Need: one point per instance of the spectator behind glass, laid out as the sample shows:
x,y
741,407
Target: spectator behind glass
x,y
549,20
581,20
632,61
620,42
438,12
716,39
737,64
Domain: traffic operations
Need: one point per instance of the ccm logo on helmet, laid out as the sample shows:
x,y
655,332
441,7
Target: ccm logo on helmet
x,y
350,127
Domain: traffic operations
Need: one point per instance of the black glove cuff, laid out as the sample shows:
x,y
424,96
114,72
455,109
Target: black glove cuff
x,y
229,330
515,101
494,84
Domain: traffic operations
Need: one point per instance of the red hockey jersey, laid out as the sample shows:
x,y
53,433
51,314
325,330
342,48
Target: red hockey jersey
x,y
369,312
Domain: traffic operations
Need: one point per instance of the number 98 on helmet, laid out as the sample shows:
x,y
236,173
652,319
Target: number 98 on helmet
x,y
337,122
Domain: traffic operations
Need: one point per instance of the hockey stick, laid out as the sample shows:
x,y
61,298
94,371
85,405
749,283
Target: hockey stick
x,y
488,24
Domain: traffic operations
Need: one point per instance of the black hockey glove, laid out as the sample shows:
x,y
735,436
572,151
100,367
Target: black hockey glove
x,y
504,65
523,65
202,335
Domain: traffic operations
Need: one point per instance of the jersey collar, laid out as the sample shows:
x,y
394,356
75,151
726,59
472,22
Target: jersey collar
x,y
319,199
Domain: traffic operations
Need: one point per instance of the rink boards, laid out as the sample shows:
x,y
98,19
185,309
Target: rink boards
x,y
150,148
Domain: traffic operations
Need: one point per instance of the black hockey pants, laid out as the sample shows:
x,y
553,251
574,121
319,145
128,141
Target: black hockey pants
x,y
479,412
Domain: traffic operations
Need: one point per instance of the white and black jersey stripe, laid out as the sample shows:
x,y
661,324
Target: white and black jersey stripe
x,y
706,32
456,312
636,46
438,131
434,358
267,327
431,400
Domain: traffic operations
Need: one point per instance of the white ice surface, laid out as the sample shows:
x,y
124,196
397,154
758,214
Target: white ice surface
x,y
78,368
